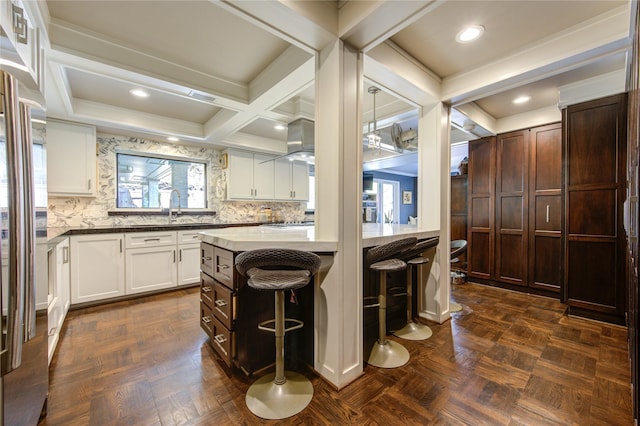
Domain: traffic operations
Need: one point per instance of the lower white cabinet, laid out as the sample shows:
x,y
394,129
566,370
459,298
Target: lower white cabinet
x,y
97,267
59,301
110,265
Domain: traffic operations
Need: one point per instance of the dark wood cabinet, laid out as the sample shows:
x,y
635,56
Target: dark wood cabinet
x,y
480,210
545,208
459,214
595,185
515,210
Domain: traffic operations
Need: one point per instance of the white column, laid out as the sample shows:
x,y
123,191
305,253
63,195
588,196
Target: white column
x,y
338,170
434,186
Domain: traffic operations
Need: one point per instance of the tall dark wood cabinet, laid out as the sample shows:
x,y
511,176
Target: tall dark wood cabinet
x,y
512,207
545,208
481,208
459,213
515,210
595,185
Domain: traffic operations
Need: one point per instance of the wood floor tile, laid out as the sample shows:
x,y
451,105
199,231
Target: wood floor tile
x,y
506,359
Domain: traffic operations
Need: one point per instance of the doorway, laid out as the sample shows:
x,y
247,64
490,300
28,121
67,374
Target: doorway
x,y
388,200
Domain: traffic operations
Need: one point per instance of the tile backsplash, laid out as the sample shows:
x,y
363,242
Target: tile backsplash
x,y
89,212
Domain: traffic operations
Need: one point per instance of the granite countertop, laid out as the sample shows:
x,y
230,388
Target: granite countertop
x,y
375,234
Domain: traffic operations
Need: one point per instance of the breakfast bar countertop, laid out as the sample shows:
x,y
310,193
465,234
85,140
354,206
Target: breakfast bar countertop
x,y
303,237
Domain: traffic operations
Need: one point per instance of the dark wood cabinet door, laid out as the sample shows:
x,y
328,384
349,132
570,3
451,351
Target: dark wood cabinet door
x,y
512,207
545,208
459,214
481,207
595,182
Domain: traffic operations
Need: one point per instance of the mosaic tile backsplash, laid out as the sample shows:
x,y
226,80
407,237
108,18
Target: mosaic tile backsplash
x,y
89,212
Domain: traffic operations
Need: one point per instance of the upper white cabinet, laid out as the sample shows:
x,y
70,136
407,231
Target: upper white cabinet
x,y
291,180
250,176
71,159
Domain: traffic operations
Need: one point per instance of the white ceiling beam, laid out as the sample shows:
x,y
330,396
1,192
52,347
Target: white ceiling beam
x,y
538,117
574,47
478,116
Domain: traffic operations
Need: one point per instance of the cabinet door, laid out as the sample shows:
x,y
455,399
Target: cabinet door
x,y
263,180
240,175
188,263
481,205
71,159
97,267
152,268
300,181
595,182
545,208
512,207
282,179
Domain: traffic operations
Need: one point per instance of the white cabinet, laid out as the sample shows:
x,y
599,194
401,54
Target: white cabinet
x,y
59,276
250,176
71,159
151,261
291,180
97,267
188,257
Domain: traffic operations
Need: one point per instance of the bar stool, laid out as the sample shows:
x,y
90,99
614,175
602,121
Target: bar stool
x,y
387,353
413,330
281,394
458,247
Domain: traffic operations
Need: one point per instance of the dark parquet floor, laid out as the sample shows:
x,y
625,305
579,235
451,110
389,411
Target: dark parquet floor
x,y
506,359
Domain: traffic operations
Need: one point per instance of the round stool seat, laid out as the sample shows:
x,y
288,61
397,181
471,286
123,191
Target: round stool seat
x,y
389,265
418,261
265,279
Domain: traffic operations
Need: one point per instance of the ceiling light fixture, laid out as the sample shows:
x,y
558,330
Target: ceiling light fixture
x,y
521,99
469,34
374,136
139,93
172,139
280,127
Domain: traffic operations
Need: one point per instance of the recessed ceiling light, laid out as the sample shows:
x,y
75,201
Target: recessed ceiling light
x,y
521,99
172,139
470,33
139,93
279,127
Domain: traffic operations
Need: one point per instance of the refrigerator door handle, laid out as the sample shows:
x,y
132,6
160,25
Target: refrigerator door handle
x,y
29,226
12,347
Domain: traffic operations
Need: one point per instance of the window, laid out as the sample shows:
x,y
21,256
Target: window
x,y
149,182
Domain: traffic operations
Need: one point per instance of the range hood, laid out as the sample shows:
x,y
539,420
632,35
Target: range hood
x,y
300,140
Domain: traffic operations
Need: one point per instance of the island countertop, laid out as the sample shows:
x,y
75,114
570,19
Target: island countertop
x,y
303,237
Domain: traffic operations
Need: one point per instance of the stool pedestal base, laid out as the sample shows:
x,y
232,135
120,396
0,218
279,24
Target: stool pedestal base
x,y
454,307
413,331
388,355
267,400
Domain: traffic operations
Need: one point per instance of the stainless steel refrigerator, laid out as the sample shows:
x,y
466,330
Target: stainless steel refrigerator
x,y
24,381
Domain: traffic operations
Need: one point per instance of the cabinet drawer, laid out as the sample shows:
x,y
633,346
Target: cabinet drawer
x,y
186,237
223,266
206,319
224,303
222,340
206,259
206,290
149,239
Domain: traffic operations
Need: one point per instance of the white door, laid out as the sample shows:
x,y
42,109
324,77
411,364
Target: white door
x,y
151,268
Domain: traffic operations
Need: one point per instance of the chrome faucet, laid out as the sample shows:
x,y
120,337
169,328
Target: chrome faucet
x,y
173,218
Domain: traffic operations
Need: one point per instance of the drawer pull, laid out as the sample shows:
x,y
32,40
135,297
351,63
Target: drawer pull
x,y
221,302
206,289
206,258
222,266
206,320
53,331
195,237
148,240
220,338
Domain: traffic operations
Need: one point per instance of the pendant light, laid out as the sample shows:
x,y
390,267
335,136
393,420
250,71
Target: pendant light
x,y
374,136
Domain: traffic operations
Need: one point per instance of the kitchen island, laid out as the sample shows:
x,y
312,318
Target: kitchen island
x,y
238,341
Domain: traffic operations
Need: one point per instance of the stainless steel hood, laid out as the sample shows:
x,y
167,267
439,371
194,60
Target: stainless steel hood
x,y
300,136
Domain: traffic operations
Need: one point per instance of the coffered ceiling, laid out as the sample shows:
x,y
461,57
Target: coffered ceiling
x,y
223,73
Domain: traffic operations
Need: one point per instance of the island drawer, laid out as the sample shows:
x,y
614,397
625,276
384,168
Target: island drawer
x,y
223,267
222,340
206,258
206,290
206,319
224,302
